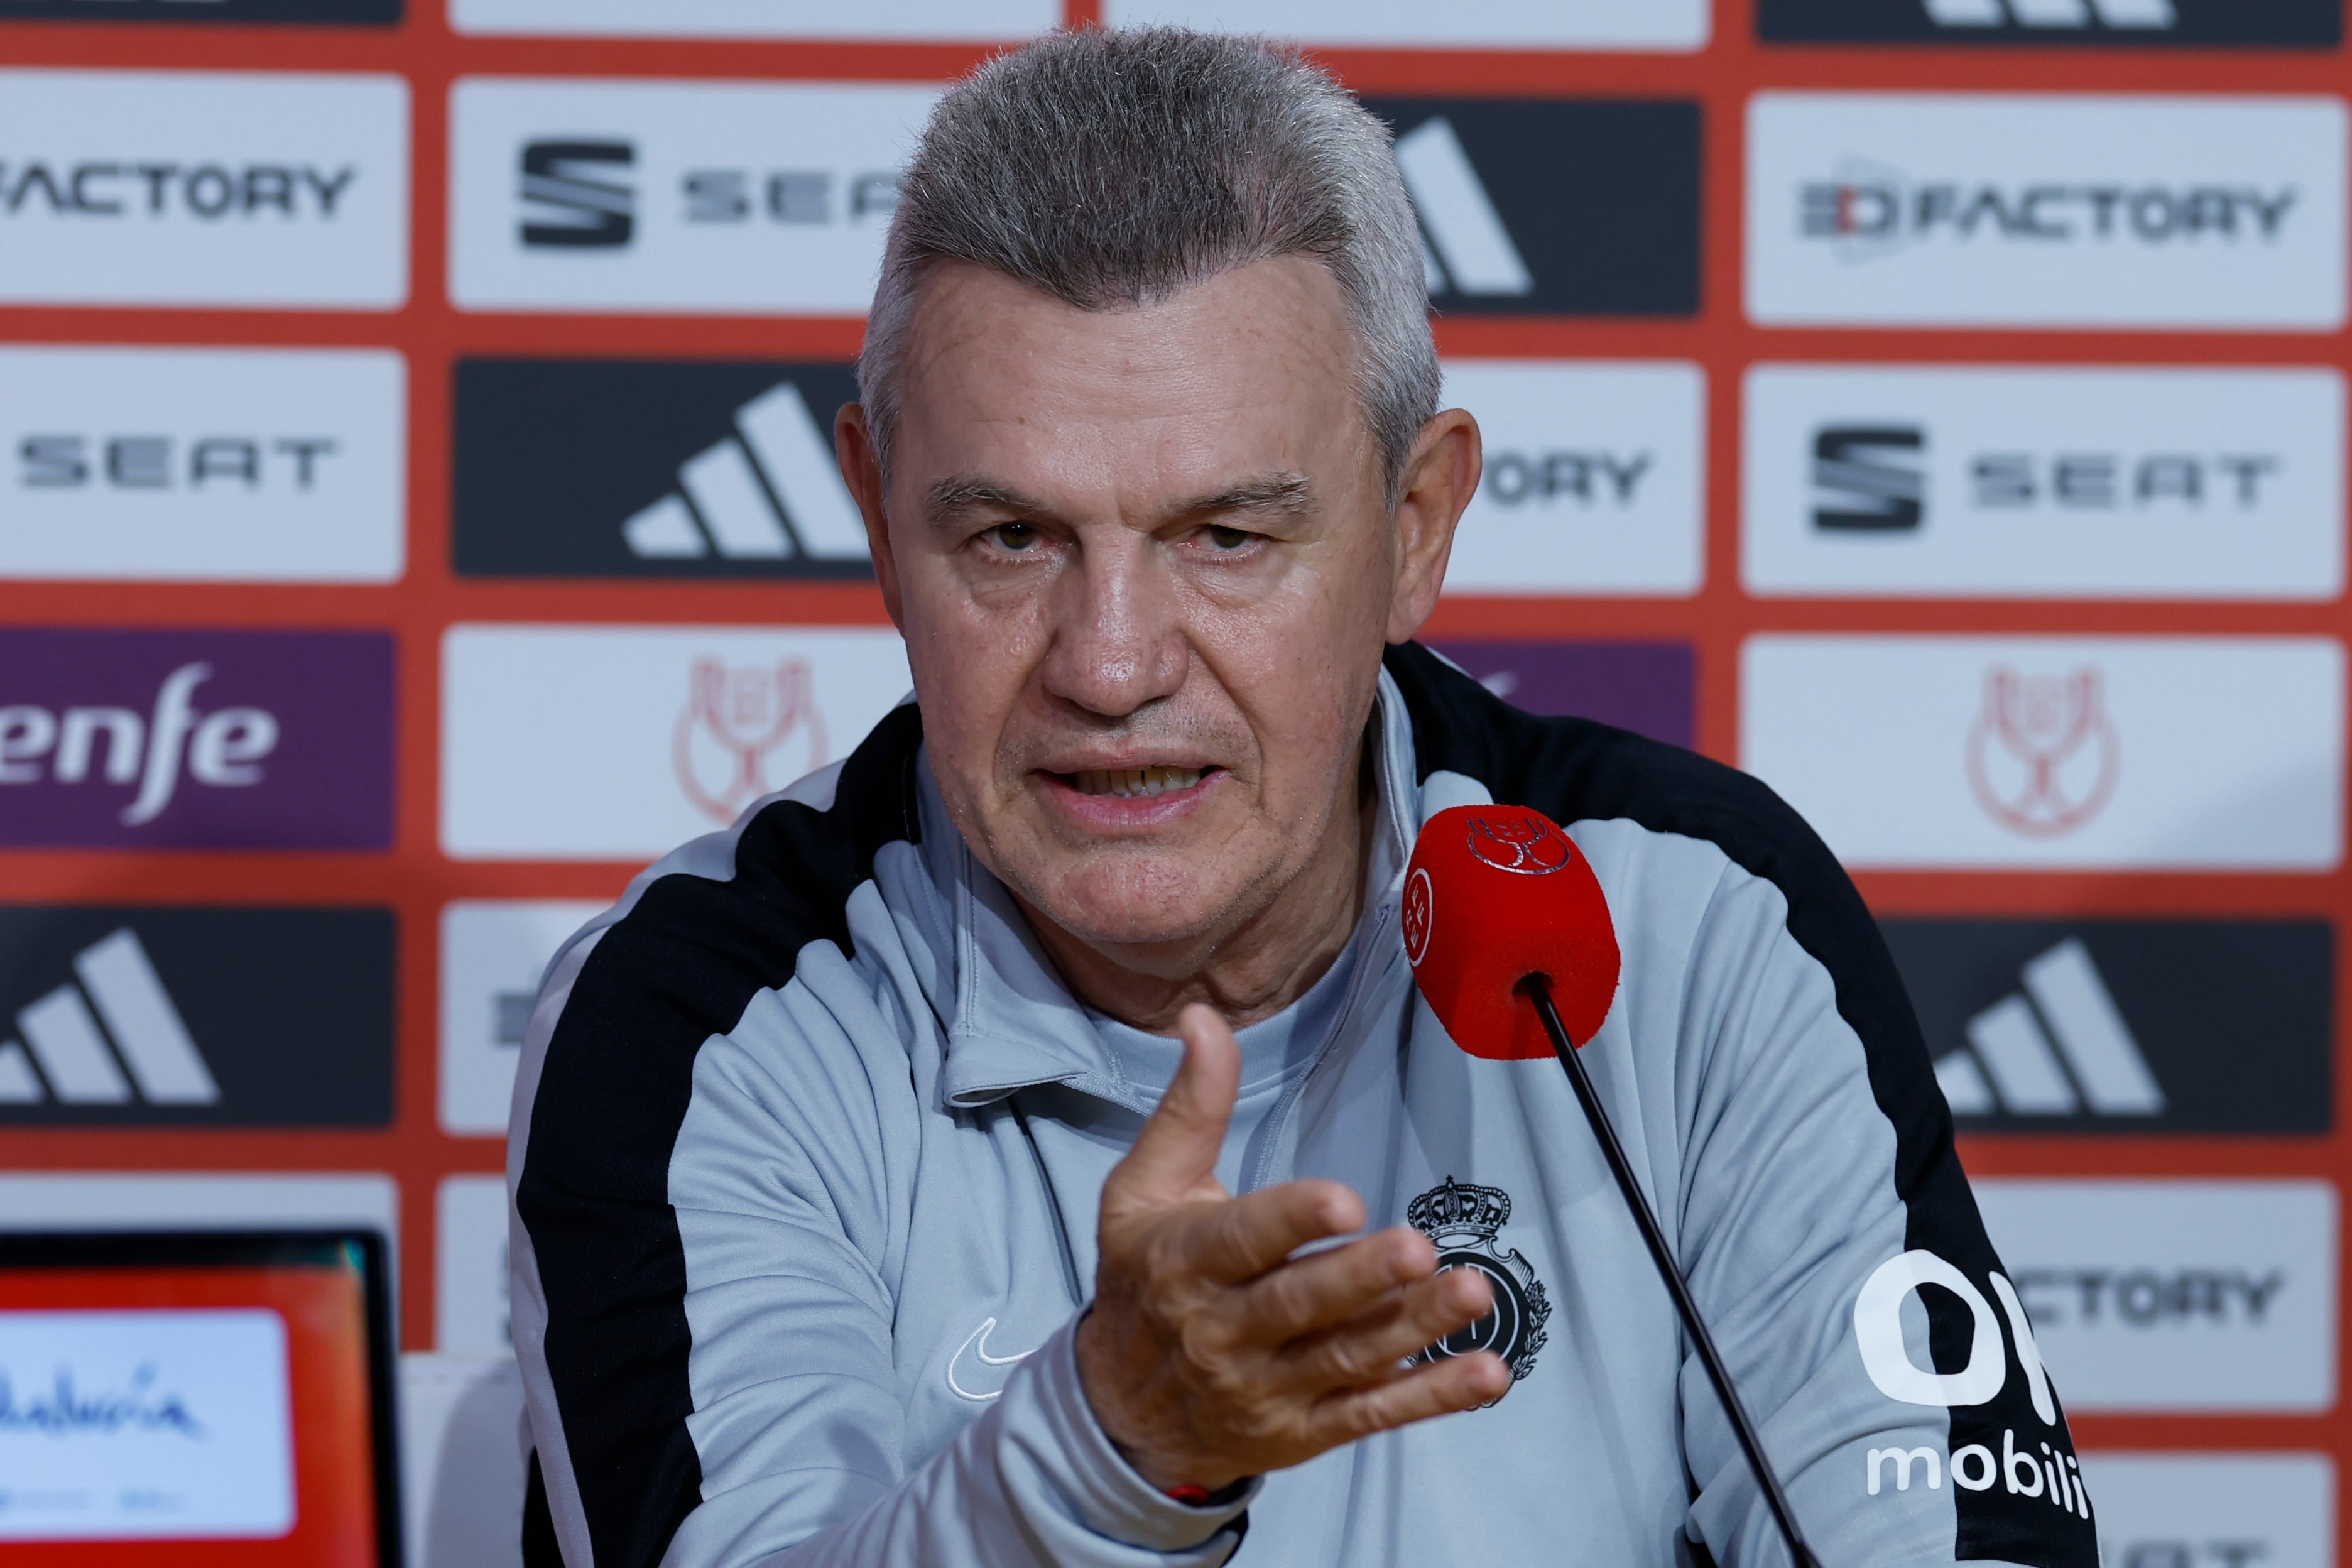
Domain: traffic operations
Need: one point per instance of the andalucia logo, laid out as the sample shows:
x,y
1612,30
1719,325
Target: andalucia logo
x,y
1463,1222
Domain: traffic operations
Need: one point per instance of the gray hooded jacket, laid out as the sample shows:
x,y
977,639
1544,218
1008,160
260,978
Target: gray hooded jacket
x,y
809,1136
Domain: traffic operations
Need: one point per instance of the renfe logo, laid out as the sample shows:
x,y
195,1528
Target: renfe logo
x,y
173,1018
212,740
1946,481
652,469
1511,193
192,188
1648,687
2105,24
714,198
2108,1025
2045,211
2207,754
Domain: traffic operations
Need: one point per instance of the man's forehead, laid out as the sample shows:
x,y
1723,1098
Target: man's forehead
x,y
1276,494
1235,383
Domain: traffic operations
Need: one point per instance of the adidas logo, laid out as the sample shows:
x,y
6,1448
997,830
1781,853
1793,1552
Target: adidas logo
x,y
81,1061
768,492
2052,1049
1465,248
2135,14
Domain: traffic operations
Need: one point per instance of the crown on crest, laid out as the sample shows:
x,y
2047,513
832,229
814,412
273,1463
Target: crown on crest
x,y
1456,1207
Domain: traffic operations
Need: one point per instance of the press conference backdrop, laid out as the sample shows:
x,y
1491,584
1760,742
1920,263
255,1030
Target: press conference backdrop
x,y
416,512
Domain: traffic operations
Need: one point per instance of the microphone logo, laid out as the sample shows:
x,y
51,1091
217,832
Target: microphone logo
x,y
1519,842
1419,916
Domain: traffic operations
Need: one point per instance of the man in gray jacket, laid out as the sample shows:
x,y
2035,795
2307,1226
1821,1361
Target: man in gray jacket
x,y
1021,1142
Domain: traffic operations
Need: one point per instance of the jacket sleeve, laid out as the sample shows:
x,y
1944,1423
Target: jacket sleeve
x,y
1836,1251
705,1328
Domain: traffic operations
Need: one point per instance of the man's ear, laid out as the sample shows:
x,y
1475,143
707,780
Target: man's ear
x,y
853,448
1439,479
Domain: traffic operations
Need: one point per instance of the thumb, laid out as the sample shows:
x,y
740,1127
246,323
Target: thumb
x,y
1174,1159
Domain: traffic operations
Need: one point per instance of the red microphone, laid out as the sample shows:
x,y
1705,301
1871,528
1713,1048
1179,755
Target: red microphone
x,y
1512,947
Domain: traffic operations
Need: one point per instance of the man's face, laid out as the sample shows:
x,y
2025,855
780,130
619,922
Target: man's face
x,y
1145,570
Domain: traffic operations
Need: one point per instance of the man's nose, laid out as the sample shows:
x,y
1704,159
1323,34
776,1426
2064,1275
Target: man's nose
x,y
1117,637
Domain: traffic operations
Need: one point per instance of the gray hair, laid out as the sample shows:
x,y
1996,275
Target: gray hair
x,y
1115,168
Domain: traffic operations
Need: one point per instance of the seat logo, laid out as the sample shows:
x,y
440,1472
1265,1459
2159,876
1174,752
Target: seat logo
x,y
574,200
109,1037
2051,1049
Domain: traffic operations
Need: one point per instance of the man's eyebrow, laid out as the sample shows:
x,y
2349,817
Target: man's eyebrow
x,y
961,493
1286,494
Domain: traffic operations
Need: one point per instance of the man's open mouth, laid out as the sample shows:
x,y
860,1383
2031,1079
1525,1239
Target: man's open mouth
x,y
1133,783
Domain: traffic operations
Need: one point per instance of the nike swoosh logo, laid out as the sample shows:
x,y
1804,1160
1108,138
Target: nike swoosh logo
x,y
972,1358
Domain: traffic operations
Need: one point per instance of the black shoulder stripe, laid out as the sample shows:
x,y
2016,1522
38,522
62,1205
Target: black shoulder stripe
x,y
1575,768
595,1190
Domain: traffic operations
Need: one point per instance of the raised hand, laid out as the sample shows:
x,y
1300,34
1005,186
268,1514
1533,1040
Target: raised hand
x,y
1211,1353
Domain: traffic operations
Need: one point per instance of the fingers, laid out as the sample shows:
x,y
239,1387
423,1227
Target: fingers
x,y
1439,1388
1242,1240
1174,1157
1366,1348
1332,1286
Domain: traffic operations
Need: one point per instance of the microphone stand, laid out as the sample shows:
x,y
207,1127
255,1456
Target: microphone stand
x,y
1536,988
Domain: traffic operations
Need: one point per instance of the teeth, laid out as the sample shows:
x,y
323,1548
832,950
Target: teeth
x,y
1131,783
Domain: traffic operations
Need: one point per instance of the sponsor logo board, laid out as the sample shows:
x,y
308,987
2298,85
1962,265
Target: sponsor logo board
x,y
2214,1510
651,469
146,1425
54,1201
620,742
492,954
2212,754
196,739
275,12
948,21
1648,687
2151,1296
1495,25
1957,481
1879,209
469,1273
1510,194
214,1016
202,464
1595,479
2109,1026
2105,24
714,198
251,190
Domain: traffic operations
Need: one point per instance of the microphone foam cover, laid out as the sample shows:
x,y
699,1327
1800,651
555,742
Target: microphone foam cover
x,y
1494,894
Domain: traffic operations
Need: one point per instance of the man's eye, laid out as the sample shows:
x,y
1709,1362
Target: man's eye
x,y
1015,537
1228,538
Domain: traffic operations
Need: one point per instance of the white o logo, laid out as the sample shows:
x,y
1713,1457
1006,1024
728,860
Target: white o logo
x,y
1878,1331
